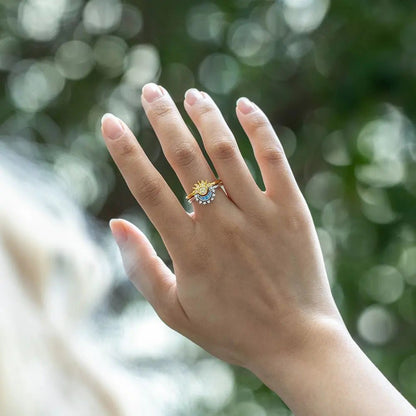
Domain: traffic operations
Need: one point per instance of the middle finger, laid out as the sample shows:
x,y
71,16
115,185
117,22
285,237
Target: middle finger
x,y
178,144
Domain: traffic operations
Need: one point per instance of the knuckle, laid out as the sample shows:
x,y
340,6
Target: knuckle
x,y
205,110
233,230
273,155
160,109
184,154
126,148
223,150
259,221
259,121
149,190
296,221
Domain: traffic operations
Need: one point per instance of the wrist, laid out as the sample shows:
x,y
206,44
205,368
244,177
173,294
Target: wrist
x,y
329,374
283,371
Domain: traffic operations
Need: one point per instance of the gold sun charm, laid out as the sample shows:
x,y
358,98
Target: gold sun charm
x,y
201,188
203,191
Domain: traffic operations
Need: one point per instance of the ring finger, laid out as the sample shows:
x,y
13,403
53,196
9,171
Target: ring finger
x,y
222,148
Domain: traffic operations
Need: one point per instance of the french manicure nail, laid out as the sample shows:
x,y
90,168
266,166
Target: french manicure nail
x,y
245,105
192,96
112,126
151,92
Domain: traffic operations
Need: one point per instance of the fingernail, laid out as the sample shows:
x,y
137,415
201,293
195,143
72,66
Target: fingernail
x,y
112,126
151,92
118,232
192,96
245,105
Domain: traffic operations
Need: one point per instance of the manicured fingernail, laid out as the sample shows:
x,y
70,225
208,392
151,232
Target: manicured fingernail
x,y
119,232
112,126
245,105
192,96
151,92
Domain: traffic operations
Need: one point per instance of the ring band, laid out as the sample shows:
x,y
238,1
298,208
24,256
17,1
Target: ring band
x,y
204,191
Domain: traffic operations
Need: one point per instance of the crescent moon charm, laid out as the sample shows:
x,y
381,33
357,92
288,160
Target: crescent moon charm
x,y
203,191
207,198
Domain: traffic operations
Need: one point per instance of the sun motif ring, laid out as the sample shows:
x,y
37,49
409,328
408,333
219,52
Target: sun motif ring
x,y
204,191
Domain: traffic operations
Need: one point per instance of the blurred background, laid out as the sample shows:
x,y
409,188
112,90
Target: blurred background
x,y
337,80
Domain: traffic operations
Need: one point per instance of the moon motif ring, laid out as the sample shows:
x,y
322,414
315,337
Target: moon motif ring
x,y
204,191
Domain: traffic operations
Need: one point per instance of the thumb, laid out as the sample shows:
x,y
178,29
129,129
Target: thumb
x,y
148,272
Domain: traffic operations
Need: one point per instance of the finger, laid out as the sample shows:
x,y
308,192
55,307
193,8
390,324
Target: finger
x,y
144,181
221,147
274,166
149,273
178,144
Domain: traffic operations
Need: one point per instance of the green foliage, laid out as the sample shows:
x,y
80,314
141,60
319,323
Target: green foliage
x,y
336,79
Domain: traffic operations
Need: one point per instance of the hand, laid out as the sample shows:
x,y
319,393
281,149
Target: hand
x,y
250,284
249,278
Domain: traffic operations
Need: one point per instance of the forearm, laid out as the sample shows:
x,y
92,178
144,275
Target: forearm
x,y
332,378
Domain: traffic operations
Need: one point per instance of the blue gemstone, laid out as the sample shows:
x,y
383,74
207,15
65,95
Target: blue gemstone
x,y
205,197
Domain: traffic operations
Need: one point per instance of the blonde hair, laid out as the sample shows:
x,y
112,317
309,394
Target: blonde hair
x,y
52,276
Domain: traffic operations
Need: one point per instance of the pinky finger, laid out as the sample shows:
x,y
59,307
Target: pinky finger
x,y
149,273
274,166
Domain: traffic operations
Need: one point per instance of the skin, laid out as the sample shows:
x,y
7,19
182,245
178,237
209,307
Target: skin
x,y
249,282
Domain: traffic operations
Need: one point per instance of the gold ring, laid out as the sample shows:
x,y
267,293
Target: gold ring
x,y
204,191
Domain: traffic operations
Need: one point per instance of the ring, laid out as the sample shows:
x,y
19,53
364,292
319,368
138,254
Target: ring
x,y
204,191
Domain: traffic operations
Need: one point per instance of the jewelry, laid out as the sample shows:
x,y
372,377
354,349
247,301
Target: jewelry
x,y
204,191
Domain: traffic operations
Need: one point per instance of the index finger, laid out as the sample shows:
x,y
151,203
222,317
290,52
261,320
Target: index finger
x,y
144,181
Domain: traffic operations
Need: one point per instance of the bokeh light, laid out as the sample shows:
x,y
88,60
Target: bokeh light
x,y
304,15
40,19
74,59
110,53
407,374
206,22
250,42
101,16
219,73
34,84
383,283
407,264
143,65
322,188
376,325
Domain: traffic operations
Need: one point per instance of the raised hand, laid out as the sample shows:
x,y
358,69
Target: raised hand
x,y
249,282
